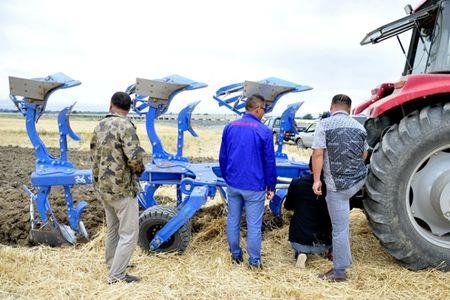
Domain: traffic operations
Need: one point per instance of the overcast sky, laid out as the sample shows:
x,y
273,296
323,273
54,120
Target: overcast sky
x,y
107,44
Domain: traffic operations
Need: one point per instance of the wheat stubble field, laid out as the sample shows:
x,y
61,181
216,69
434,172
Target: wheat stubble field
x,y
204,270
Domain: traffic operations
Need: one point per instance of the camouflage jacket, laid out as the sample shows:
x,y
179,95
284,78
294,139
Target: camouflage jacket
x,y
117,158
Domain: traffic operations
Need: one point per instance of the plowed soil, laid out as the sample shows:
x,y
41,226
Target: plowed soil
x,y
16,166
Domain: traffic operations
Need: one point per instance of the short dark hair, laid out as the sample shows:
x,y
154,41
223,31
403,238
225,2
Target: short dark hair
x,y
254,101
121,100
342,99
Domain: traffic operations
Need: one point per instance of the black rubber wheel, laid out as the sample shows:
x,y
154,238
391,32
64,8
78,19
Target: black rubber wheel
x,y
396,178
152,220
300,143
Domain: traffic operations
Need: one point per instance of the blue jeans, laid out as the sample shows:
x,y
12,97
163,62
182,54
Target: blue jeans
x,y
339,210
254,212
308,249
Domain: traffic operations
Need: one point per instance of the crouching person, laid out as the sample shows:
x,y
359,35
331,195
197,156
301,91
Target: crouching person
x,y
117,163
310,227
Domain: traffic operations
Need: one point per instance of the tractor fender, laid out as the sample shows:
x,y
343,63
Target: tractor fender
x,y
407,89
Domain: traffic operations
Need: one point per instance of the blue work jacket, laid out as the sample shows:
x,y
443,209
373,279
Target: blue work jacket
x,y
247,158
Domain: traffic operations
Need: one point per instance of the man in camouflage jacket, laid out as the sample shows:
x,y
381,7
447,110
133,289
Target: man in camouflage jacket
x,y
117,163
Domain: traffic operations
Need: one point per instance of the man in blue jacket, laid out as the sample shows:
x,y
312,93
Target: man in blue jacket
x,y
247,163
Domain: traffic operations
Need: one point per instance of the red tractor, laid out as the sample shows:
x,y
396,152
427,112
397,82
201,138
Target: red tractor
x,y
408,126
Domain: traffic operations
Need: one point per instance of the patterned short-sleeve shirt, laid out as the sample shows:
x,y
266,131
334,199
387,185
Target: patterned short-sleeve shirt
x,y
344,141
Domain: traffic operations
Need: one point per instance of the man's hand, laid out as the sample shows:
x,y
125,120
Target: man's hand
x,y
317,188
269,195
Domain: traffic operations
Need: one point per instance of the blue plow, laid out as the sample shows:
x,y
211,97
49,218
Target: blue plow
x,y
196,183
30,97
162,228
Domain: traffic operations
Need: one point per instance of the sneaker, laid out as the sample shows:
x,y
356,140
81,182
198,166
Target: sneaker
x,y
301,261
332,276
237,260
127,278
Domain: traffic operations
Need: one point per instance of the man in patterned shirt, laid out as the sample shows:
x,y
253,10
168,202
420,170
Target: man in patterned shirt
x,y
340,149
117,163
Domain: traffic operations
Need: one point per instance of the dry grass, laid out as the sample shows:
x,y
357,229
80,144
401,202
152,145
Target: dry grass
x,y
205,270
12,131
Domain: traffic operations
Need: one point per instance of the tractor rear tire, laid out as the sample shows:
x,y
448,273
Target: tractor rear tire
x,y
404,151
152,220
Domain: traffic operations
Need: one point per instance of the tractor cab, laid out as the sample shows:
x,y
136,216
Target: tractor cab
x,y
427,66
429,50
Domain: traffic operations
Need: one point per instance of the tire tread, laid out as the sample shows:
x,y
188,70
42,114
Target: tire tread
x,y
382,185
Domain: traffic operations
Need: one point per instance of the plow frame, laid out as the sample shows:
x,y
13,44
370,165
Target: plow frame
x,y
195,183
30,97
